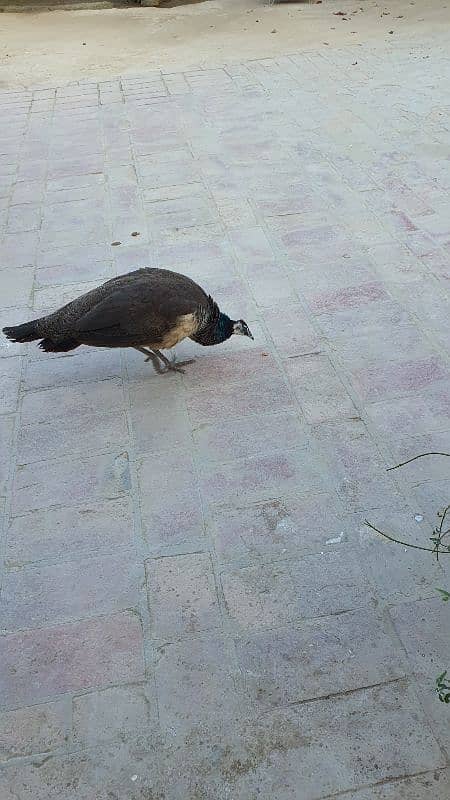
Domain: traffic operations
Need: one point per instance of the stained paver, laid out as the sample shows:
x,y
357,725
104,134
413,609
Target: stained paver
x,y
191,605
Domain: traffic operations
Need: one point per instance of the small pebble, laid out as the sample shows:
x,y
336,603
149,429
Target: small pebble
x,y
115,244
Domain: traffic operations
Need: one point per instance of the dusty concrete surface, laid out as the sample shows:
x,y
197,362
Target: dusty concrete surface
x,y
191,606
48,47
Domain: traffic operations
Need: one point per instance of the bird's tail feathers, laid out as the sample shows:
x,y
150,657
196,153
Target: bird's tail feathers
x,y
58,347
23,333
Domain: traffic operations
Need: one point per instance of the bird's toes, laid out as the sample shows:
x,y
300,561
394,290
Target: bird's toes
x,y
183,363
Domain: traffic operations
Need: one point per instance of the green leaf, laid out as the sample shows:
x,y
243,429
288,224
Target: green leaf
x,y
441,677
445,594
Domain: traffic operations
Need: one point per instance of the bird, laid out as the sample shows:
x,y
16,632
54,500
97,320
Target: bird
x,y
148,309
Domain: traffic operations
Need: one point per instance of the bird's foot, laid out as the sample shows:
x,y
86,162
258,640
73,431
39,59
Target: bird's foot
x,y
173,366
154,359
177,366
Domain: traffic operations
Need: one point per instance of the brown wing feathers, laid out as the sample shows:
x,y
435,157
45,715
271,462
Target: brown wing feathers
x,y
144,307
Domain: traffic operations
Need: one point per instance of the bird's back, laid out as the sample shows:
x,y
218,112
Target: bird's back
x,y
142,297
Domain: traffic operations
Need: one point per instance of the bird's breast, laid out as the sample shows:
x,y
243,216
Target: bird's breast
x,y
184,327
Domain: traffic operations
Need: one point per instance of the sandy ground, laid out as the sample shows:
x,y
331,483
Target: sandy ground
x,y
47,47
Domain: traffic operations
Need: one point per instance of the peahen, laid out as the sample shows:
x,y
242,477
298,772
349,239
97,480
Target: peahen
x,y
148,309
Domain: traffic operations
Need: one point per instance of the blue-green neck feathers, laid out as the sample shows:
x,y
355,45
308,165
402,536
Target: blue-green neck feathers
x,y
215,329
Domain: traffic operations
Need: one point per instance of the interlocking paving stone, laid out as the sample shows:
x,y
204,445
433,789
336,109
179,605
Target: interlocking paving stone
x,y
182,595
62,658
62,533
267,595
318,658
34,596
34,729
192,606
120,713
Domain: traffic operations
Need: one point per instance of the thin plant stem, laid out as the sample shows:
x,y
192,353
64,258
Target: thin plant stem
x,y
389,469
444,514
399,541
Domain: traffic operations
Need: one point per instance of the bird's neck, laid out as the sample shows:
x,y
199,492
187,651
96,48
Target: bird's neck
x,y
216,330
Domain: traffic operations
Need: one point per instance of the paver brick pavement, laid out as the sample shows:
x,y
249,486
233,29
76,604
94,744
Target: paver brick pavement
x,y
191,605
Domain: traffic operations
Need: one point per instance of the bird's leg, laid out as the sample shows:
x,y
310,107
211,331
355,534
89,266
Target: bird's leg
x,y
175,366
153,357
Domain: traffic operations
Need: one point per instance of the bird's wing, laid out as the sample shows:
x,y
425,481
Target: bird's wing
x,y
121,319
134,309
139,308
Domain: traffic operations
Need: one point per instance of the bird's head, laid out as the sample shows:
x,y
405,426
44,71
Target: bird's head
x,y
219,327
240,328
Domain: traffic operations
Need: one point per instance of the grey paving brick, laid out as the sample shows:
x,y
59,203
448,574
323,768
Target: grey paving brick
x,y
102,770
291,330
381,313
16,287
260,477
62,437
321,394
355,465
76,400
266,394
268,595
319,658
409,575
49,298
37,595
63,533
423,628
180,520
26,217
424,412
70,481
19,249
28,192
121,713
84,366
166,425
34,729
97,652
298,523
10,375
190,678
248,436
182,595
